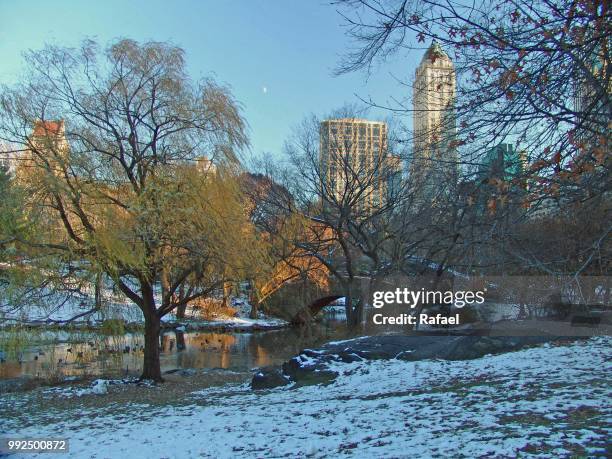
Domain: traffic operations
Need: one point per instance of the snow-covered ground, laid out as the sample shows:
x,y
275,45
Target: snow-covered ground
x,y
235,323
241,320
549,401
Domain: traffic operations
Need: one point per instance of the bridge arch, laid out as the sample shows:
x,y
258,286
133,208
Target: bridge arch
x,y
310,311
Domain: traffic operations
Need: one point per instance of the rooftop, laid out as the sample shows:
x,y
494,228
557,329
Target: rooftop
x,y
352,120
435,52
45,128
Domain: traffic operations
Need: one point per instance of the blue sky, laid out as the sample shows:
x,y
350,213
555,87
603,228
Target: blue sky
x,y
277,56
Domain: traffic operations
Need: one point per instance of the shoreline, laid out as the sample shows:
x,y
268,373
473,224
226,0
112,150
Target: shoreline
x,y
134,327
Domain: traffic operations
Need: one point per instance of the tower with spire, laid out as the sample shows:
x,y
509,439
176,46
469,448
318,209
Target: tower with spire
x,y
434,167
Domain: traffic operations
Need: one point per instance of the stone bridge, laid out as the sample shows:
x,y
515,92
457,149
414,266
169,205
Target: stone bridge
x,y
307,313
413,265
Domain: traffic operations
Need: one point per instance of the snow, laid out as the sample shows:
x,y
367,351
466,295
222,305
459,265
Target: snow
x,y
60,309
242,322
99,387
350,340
547,401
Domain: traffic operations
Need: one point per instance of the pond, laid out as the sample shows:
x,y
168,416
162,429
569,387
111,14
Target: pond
x,y
77,355
83,354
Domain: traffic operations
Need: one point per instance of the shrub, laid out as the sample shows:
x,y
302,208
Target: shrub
x,y
211,309
113,327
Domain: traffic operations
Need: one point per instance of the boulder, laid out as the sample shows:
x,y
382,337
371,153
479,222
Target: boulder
x,y
268,378
311,366
305,370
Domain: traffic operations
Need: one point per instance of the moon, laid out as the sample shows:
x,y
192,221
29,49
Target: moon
x,y
264,89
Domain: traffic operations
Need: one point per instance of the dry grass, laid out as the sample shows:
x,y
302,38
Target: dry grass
x,y
211,309
38,406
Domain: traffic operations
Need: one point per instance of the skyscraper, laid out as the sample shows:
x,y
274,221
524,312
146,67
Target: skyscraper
x,y
592,91
434,158
354,161
498,181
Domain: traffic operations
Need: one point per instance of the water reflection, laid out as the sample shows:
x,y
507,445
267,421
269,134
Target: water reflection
x,y
122,355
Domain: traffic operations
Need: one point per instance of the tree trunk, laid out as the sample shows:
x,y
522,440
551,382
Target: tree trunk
x,y
348,306
227,291
98,291
358,313
151,368
180,311
254,310
254,304
180,340
365,293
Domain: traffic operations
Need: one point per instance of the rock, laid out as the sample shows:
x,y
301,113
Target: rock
x,y
188,372
268,378
182,371
307,371
349,356
312,366
481,346
408,356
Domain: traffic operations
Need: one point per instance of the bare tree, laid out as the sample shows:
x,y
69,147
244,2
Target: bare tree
x,y
348,186
534,74
111,185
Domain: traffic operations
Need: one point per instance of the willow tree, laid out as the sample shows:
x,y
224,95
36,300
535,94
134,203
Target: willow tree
x,y
111,140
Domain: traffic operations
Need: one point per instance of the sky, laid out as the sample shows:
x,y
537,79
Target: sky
x,y
277,56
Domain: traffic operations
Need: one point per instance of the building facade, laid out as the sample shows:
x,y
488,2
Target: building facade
x,y
434,165
355,163
47,148
502,162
